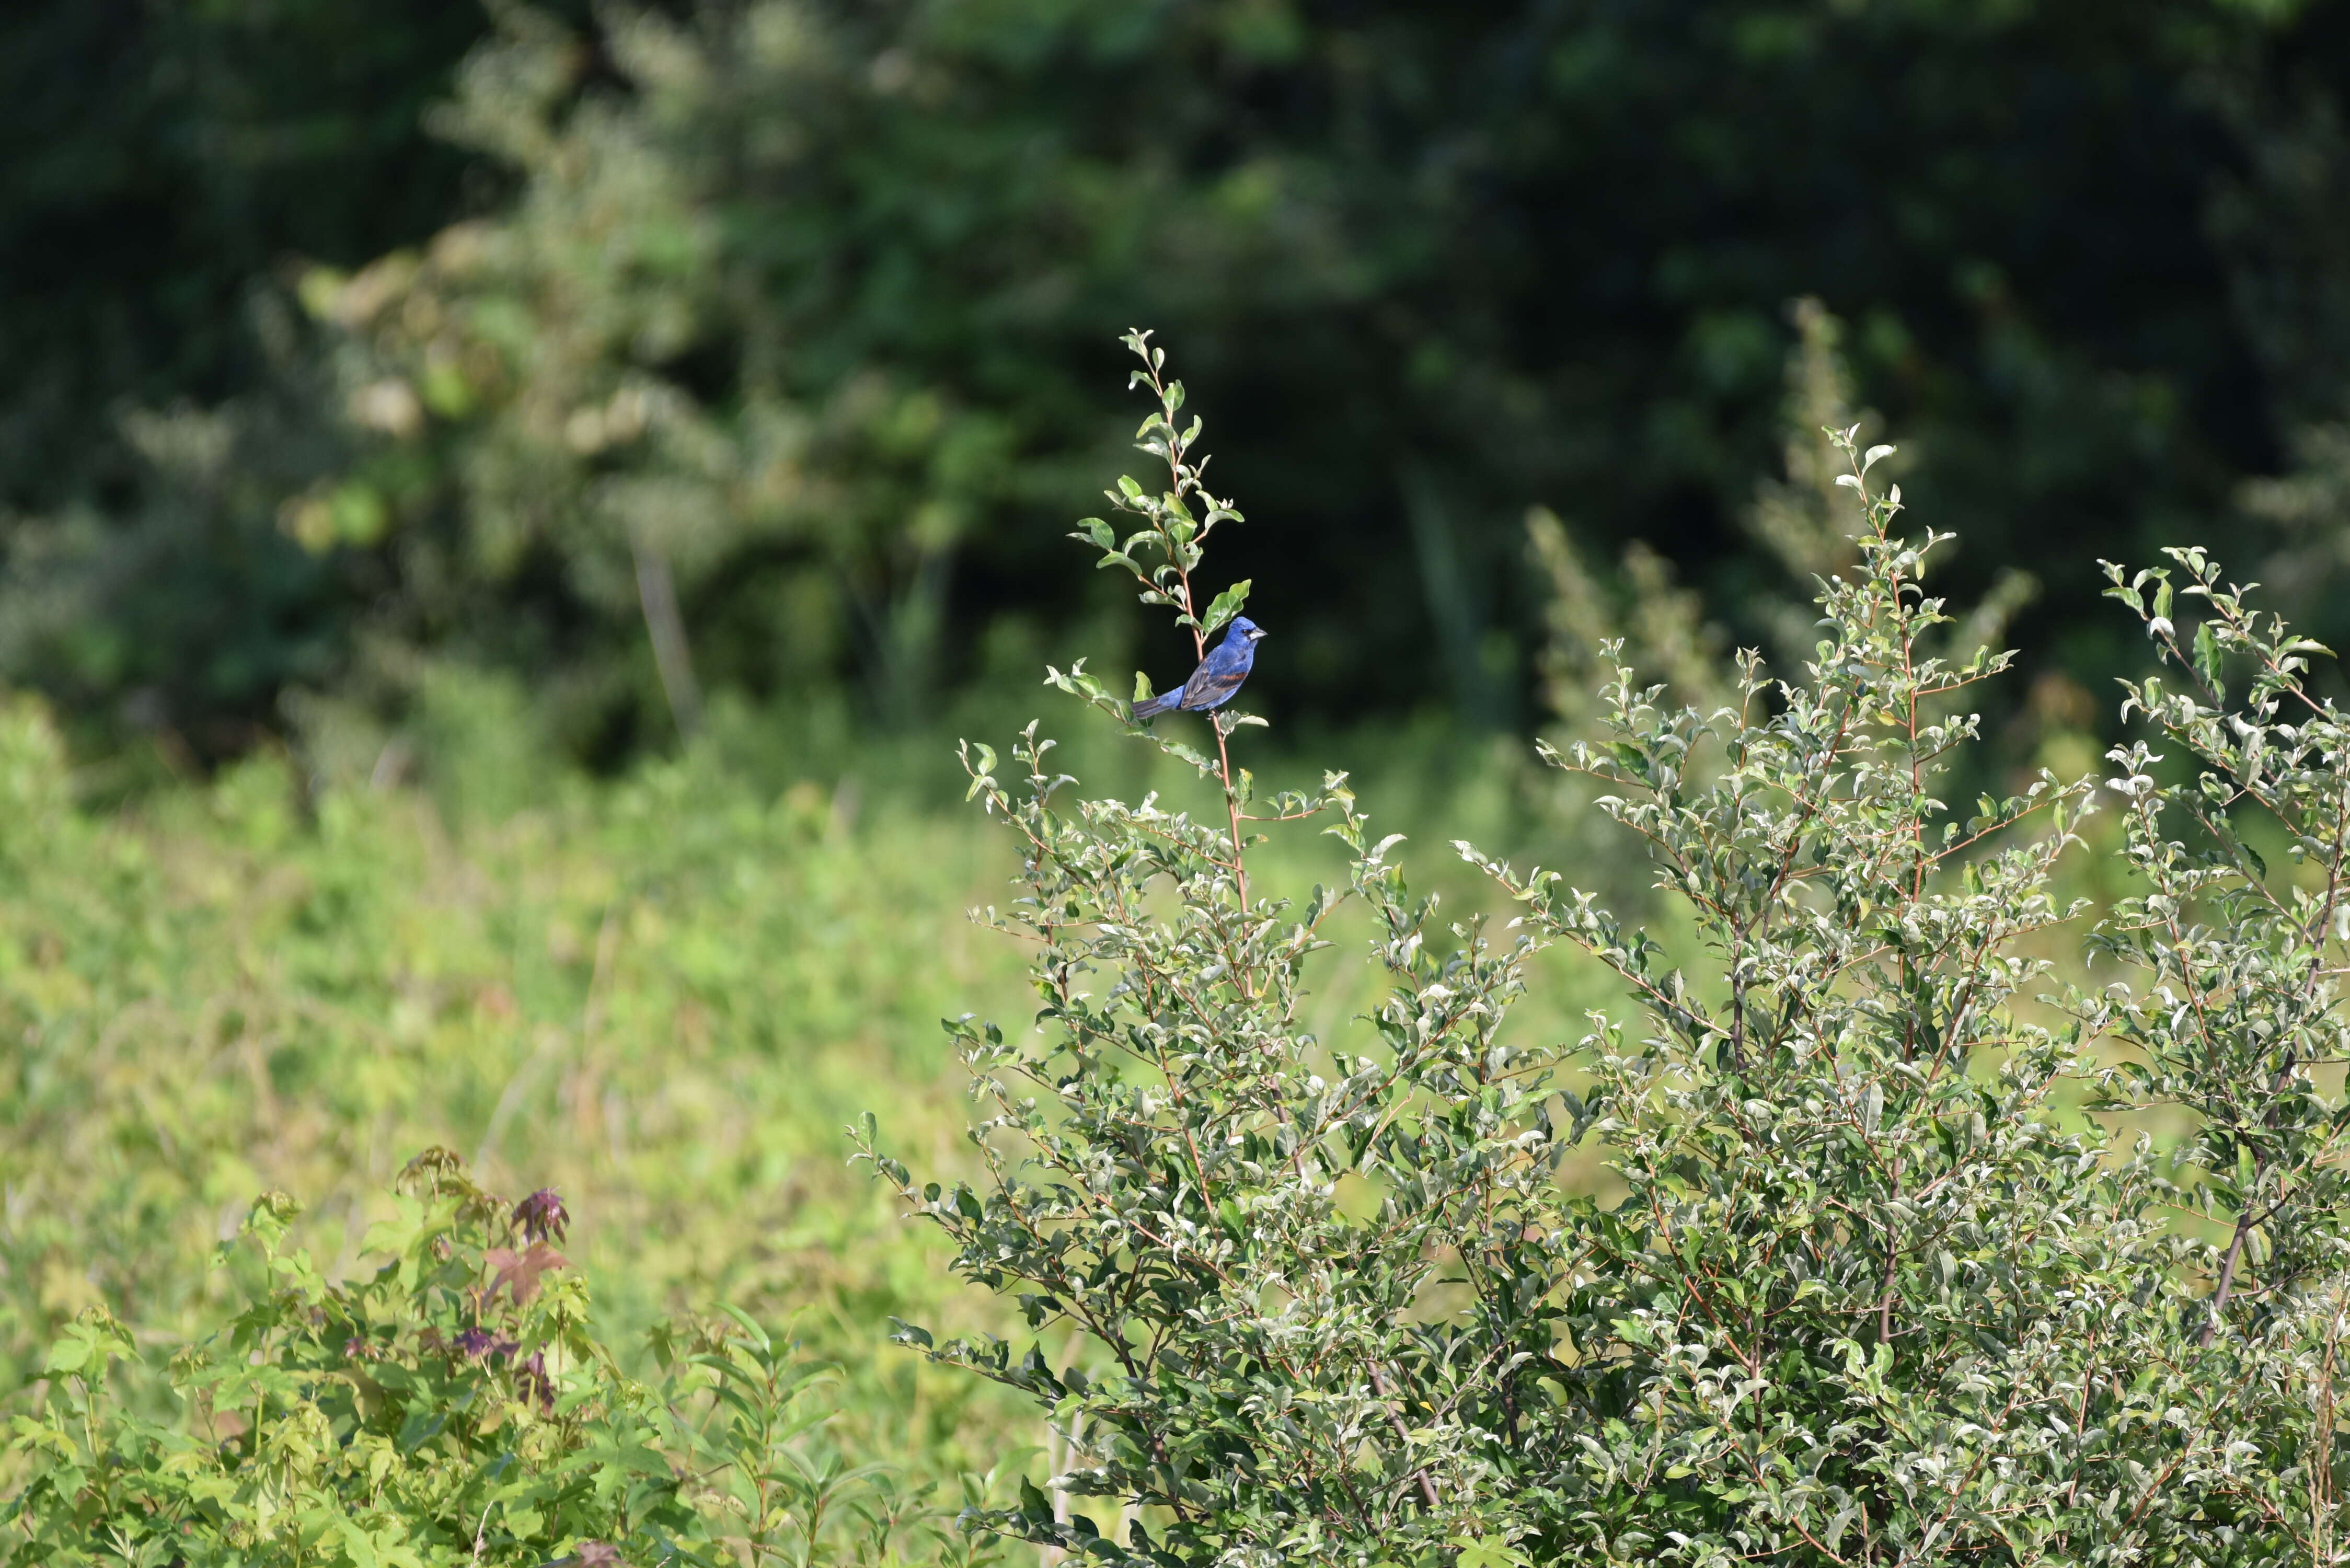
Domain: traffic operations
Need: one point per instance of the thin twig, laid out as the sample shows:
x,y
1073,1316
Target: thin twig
x,y
1379,1387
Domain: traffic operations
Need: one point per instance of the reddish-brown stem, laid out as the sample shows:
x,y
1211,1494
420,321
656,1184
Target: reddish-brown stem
x,y
2244,1222
2227,1280
1232,806
1884,1287
1191,606
1379,1387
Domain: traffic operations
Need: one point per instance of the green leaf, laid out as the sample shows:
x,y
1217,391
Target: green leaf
x,y
71,1353
358,1544
420,1427
1226,606
2208,657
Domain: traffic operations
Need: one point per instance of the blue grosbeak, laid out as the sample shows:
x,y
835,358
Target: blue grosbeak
x,y
1219,675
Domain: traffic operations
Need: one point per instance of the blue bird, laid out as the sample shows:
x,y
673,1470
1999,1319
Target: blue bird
x,y
1219,675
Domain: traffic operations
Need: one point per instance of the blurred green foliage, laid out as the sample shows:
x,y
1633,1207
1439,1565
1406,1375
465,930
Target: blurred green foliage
x,y
661,1001
745,349
156,164
410,405
451,1405
663,996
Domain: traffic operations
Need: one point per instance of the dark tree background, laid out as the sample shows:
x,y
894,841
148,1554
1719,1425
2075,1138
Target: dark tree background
x,y
156,160
1424,266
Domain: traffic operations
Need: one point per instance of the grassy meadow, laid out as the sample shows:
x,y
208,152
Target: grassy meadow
x,y
664,995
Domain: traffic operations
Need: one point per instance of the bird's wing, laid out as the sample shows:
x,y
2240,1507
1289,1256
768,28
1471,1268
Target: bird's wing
x,y
1210,687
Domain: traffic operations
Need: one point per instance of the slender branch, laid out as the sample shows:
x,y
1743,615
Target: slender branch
x,y
1182,478
2244,1222
665,625
1379,1387
1231,806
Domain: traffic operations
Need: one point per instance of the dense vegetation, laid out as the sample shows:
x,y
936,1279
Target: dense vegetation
x,y
1806,1252
664,998
505,511
1869,1289
751,349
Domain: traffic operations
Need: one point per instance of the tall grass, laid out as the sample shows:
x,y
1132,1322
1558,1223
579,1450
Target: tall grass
x,y
664,996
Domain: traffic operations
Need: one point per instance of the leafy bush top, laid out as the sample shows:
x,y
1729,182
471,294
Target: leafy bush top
x,y
1869,1289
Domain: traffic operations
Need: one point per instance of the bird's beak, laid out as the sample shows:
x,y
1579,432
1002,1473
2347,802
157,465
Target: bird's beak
x,y
1257,635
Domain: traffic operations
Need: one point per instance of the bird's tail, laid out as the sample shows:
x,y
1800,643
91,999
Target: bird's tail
x,y
1150,708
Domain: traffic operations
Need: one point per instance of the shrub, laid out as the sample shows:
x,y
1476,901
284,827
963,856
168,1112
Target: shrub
x,y
452,1406
662,995
1863,1284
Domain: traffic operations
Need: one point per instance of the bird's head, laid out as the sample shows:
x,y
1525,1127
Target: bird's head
x,y
1247,629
